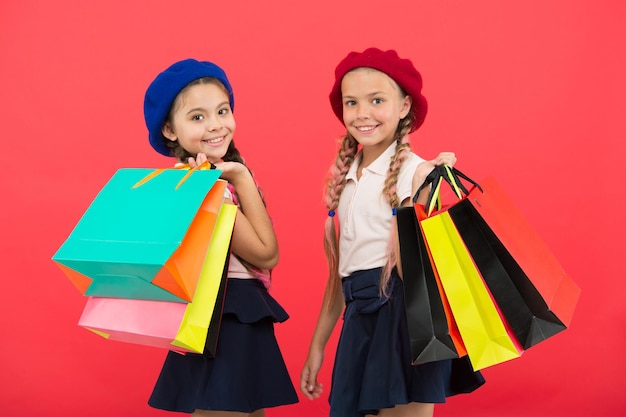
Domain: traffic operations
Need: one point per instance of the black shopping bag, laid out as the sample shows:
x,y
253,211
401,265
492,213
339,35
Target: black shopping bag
x,y
432,332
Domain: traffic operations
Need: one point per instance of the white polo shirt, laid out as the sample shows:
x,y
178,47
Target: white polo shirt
x,y
364,214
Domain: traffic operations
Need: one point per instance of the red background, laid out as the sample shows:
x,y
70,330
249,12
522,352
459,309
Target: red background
x,y
531,92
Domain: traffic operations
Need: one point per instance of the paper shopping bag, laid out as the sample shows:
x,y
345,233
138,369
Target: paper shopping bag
x,y
147,241
535,294
433,333
182,327
193,330
484,333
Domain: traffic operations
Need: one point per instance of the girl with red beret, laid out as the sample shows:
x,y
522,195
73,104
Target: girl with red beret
x,y
377,96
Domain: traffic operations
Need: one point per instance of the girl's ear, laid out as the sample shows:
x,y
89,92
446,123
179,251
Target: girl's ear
x,y
407,102
168,132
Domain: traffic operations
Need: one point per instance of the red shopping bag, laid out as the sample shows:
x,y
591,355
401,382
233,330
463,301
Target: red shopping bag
x,y
529,251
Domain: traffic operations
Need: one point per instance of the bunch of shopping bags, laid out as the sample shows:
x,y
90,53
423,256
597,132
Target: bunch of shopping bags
x,y
478,279
151,255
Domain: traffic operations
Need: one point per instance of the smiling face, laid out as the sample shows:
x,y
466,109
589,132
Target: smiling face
x,y
201,120
373,105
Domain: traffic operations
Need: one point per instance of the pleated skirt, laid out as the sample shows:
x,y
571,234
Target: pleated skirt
x,y
373,367
248,371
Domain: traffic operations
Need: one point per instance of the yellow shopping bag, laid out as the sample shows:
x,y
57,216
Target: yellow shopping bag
x,y
484,332
200,325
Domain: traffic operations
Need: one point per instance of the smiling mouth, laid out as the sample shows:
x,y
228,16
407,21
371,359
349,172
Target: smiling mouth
x,y
215,140
365,129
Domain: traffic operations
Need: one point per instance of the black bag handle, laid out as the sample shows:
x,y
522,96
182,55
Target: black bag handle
x,y
450,175
431,178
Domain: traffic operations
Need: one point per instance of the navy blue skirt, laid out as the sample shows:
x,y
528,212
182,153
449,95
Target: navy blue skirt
x,y
248,372
373,367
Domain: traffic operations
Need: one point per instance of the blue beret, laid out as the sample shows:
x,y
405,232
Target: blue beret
x,y
163,91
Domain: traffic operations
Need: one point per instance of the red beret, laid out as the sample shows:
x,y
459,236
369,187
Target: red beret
x,y
400,70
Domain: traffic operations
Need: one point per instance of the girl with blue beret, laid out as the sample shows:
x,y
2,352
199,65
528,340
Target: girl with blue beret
x,y
188,110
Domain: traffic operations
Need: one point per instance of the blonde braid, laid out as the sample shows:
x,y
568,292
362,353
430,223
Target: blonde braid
x,y
390,193
334,187
402,150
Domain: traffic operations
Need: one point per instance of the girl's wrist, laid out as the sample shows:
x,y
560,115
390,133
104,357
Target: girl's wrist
x,y
235,173
241,179
316,348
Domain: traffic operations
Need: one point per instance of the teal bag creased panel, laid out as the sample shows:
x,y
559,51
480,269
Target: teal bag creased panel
x,y
127,234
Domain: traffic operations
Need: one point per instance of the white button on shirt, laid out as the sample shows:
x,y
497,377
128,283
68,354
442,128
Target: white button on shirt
x,y
365,215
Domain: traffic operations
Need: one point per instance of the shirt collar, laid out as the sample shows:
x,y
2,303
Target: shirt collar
x,y
380,166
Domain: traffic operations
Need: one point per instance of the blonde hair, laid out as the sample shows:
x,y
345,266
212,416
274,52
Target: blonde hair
x,y
335,185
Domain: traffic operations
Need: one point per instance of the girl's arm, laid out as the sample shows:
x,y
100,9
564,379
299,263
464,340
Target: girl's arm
x,y
329,314
253,239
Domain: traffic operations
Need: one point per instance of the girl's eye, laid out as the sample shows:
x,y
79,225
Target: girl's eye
x,y
223,111
197,117
350,103
377,100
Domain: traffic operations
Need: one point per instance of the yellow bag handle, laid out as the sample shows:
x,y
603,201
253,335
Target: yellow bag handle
x,y
203,166
451,176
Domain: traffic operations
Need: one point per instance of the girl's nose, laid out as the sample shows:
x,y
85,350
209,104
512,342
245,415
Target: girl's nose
x,y
213,124
362,112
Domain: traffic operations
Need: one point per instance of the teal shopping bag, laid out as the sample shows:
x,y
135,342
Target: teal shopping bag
x,y
144,240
